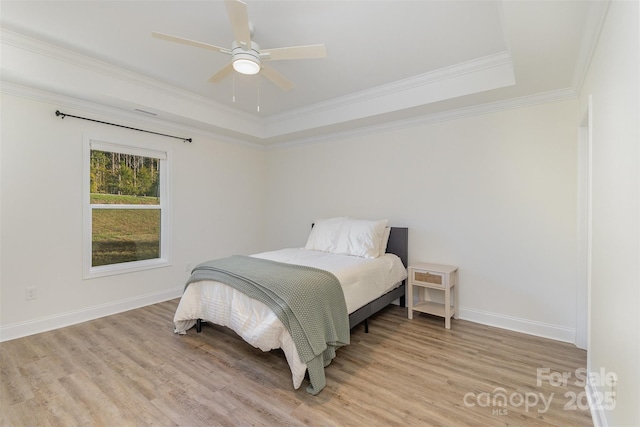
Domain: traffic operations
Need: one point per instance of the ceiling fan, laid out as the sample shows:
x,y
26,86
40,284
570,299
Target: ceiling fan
x,y
246,55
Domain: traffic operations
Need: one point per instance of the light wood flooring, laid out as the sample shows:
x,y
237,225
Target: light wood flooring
x,y
130,369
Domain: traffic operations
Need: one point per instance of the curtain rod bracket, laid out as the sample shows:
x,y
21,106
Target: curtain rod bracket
x,y
63,115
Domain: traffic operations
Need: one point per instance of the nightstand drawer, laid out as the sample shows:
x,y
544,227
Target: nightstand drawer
x,y
429,277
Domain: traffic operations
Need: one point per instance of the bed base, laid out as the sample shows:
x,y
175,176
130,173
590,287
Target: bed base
x,y
363,314
398,245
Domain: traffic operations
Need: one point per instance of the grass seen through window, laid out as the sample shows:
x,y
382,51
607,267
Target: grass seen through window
x,y
124,235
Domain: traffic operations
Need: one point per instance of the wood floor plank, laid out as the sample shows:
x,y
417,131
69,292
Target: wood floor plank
x,y
131,369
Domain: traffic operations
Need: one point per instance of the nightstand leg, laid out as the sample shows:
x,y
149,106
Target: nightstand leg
x,y
410,301
455,300
447,308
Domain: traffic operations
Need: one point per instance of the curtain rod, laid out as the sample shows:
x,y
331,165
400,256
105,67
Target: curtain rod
x,y
58,113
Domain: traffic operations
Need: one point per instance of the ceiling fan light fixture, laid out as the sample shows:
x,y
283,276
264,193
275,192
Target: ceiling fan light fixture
x,y
246,61
246,65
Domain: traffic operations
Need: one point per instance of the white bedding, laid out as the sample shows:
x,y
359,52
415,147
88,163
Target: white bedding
x,y
362,280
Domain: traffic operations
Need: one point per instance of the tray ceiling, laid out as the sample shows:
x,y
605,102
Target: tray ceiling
x,y
388,61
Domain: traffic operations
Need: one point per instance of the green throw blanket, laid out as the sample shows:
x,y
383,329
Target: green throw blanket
x,y
308,301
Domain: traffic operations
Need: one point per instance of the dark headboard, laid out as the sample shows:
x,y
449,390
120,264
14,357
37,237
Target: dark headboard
x,y
399,243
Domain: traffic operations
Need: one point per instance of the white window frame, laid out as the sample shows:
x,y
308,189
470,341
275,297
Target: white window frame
x,y
89,272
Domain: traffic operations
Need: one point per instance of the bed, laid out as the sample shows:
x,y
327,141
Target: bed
x,y
368,283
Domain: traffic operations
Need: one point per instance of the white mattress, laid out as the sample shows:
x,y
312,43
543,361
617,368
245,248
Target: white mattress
x,y
362,280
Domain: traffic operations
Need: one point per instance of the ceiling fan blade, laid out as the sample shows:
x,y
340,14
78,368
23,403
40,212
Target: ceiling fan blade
x,y
222,73
295,52
239,18
189,42
278,79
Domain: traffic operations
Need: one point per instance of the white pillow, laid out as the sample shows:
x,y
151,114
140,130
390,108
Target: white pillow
x,y
349,236
324,235
359,237
385,241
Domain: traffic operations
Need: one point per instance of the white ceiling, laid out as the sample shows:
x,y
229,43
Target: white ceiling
x,y
387,60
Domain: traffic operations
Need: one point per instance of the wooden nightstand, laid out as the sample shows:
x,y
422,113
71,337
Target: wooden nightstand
x,y
423,277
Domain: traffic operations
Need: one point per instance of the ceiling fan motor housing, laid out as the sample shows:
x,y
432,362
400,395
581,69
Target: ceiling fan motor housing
x,y
246,61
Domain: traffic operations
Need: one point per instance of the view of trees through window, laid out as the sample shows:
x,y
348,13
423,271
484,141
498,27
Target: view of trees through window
x,y
124,174
125,207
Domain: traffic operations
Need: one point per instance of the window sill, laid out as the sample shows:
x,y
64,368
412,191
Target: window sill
x,y
127,267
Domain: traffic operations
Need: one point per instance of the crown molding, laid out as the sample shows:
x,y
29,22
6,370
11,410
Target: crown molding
x,y
132,118
41,49
596,16
471,77
407,93
477,110
410,83
459,113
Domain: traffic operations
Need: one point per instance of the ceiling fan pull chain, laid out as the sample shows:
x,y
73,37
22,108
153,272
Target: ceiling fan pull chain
x,y
234,88
258,97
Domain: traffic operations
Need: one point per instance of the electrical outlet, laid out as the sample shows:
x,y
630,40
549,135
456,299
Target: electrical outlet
x,y
31,293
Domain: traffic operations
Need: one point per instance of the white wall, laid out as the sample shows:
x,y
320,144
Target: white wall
x,y
493,194
613,83
218,204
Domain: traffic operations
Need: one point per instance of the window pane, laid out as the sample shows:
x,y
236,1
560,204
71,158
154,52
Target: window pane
x,y
118,178
124,235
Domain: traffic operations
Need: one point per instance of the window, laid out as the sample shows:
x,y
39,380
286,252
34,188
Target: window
x,y
126,209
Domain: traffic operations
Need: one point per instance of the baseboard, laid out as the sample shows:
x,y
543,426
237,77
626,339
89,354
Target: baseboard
x,y
597,411
43,324
540,329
